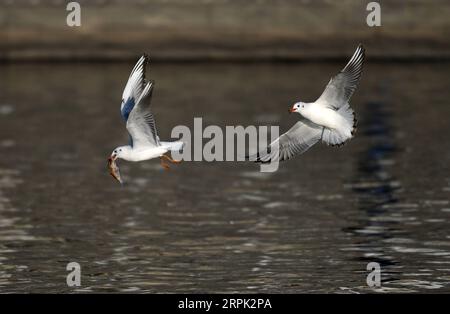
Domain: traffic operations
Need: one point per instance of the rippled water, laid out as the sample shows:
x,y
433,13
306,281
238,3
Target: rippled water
x,y
223,227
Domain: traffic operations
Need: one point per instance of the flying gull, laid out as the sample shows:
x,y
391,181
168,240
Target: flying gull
x,y
329,118
135,110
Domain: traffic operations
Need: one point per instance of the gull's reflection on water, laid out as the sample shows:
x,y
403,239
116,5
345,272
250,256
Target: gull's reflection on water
x,y
375,187
380,230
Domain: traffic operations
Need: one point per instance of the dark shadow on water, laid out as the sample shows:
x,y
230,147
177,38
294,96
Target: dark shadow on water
x,y
375,187
371,165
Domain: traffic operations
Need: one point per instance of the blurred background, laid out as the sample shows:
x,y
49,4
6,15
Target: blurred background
x,y
313,226
222,29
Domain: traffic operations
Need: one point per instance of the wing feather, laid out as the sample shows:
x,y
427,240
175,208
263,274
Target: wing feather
x,y
141,123
342,86
134,87
301,137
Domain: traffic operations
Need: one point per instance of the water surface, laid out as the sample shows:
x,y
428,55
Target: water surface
x,y
223,227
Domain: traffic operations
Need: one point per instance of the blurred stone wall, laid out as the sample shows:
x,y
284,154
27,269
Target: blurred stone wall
x,y
222,29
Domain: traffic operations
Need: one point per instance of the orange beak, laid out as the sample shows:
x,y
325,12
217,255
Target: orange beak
x,y
291,110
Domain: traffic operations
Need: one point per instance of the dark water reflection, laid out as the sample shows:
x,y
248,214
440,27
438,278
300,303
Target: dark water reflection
x,y
223,227
376,189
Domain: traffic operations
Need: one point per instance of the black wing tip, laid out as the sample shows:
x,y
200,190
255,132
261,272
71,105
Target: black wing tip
x,y
355,124
259,161
356,61
254,158
362,50
146,58
268,161
151,85
144,69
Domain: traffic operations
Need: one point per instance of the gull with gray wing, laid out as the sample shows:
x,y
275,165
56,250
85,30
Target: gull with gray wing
x,y
329,118
135,110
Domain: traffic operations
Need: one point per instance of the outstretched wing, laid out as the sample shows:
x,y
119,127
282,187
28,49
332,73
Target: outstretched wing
x,y
341,87
133,89
302,136
141,123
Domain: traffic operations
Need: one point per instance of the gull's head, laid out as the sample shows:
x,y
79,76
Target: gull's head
x,y
297,107
117,153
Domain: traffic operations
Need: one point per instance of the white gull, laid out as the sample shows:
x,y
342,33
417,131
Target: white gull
x,y
329,118
140,123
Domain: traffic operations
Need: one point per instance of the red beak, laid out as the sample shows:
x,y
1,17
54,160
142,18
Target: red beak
x,y
291,110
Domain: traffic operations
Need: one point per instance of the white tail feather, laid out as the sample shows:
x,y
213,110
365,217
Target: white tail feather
x,y
173,146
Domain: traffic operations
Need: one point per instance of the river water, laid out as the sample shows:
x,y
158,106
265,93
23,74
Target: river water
x,y
312,226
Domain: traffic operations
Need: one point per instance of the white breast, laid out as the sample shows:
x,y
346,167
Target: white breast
x,y
326,117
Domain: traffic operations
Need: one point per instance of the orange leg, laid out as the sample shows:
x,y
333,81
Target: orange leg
x,y
170,159
164,165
